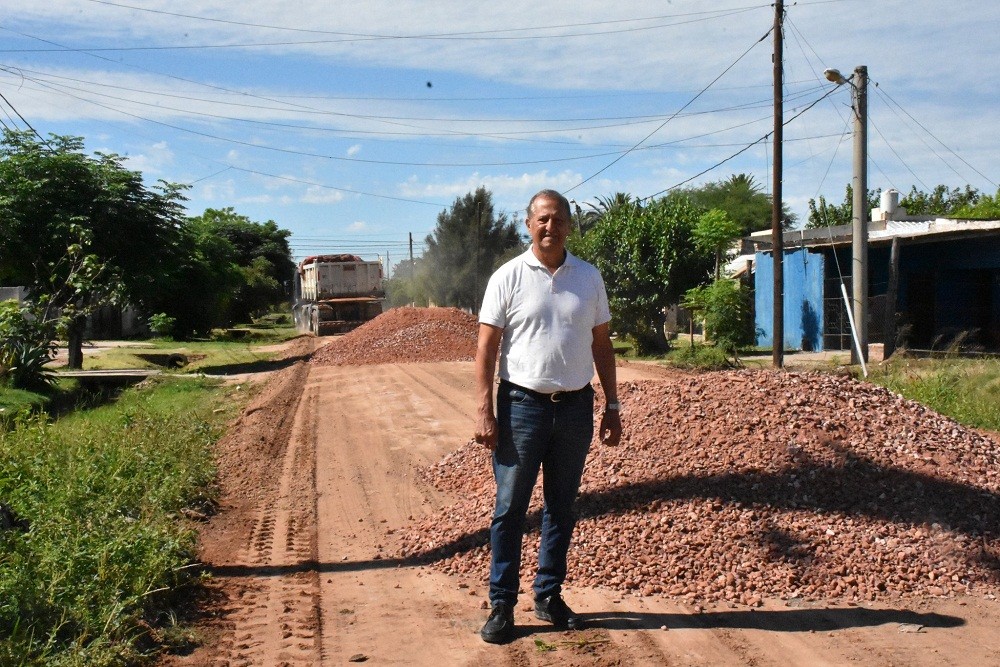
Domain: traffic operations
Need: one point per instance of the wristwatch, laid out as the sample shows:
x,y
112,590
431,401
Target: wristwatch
x,y
616,406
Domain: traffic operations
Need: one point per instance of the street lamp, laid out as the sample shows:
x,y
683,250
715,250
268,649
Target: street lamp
x,y
859,207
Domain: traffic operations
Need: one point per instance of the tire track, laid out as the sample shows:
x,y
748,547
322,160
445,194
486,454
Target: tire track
x,y
276,622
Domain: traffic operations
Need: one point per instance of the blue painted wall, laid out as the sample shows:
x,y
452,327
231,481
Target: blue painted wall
x,y
803,315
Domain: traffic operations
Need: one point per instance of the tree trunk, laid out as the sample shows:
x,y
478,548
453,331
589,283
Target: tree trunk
x,y
74,343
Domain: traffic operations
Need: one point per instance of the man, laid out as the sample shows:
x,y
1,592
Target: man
x,y
546,312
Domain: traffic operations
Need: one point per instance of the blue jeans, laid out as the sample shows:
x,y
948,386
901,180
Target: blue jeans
x,y
533,433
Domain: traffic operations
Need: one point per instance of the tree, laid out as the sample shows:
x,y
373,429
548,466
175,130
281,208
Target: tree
x,y
713,232
261,252
724,305
742,200
823,214
940,201
464,248
648,258
985,208
81,231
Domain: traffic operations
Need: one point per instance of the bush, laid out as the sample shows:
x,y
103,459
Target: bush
x,y
725,307
701,357
101,552
24,350
162,324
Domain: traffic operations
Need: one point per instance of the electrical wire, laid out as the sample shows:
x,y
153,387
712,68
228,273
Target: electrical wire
x,y
674,115
889,145
882,93
739,152
483,34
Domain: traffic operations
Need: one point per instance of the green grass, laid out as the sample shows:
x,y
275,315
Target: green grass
x,y
967,390
702,357
103,492
229,350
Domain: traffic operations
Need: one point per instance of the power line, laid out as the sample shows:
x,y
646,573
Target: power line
x,y
741,151
478,35
23,119
687,104
879,91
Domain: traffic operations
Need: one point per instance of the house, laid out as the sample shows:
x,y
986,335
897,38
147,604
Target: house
x,y
947,290
105,323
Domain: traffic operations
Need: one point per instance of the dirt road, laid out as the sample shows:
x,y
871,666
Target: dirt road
x,y
320,475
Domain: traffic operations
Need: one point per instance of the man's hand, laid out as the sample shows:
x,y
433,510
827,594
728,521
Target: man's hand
x,y
486,431
611,428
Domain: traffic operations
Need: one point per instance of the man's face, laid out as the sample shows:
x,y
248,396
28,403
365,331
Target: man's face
x,y
548,225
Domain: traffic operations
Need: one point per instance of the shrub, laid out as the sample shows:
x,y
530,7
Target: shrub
x,y
725,306
24,349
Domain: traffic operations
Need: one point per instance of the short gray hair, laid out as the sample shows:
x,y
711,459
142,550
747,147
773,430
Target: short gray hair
x,y
551,194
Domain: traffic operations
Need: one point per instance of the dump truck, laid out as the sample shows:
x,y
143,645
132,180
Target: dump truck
x,y
336,293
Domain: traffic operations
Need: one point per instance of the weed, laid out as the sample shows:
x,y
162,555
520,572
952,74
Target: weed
x,y
103,491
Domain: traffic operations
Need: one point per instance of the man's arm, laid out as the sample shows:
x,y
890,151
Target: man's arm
x,y
604,362
486,365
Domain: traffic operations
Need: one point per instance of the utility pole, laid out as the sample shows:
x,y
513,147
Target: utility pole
x,y
479,234
859,213
412,271
777,240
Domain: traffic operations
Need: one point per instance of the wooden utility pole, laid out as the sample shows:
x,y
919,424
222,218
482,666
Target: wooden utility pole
x,y
891,296
777,241
859,214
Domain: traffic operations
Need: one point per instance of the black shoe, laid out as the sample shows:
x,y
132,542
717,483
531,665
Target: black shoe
x,y
499,627
554,610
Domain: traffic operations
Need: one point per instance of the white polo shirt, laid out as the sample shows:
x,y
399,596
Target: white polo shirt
x,y
547,321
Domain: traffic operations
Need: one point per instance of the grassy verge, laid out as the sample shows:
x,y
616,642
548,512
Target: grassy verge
x,y
97,553
228,348
967,390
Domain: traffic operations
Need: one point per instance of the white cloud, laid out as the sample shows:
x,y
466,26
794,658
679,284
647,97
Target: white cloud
x,y
499,113
256,199
153,160
318,195
357,226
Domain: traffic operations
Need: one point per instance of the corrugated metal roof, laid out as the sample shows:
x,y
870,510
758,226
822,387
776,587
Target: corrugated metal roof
x,y
881,232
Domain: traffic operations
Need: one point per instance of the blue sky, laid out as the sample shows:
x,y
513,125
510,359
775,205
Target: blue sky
x,y
355,124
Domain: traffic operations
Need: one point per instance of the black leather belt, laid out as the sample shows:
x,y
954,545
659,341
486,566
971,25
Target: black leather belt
x,y
555,396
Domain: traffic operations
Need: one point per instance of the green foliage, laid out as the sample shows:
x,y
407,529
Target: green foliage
x,y
648,258
101,492
699,357
823,214
233,270
987,207
940,201
81,231
463,251
713,232
743,201
25,349
967,390
965,202
162,324
724,305
262,257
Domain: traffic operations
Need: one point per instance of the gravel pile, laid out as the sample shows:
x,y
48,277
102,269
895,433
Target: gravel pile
x,y
741,485
404,335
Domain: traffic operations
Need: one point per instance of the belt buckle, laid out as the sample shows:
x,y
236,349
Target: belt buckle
x,y
554,396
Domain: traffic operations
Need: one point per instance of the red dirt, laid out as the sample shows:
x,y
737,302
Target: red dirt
x,y
326,482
